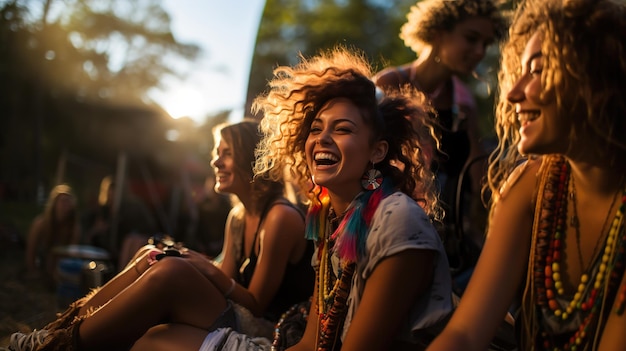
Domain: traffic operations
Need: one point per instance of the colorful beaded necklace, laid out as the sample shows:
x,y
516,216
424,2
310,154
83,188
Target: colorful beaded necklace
x,y
598,285
347,243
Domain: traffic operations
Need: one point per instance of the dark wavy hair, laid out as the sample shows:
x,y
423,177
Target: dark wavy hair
x,y
429,17
298,93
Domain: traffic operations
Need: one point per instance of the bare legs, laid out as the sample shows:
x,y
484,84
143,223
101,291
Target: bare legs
x,y
121,281
171,337
172,290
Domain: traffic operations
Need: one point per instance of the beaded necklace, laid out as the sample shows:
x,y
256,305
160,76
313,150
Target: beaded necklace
x,y
598,285
344,240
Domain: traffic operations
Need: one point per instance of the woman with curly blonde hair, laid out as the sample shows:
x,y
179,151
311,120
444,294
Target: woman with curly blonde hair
x,y
450,39
556,241
372,201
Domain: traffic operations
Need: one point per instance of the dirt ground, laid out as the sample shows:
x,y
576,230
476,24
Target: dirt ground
x,y
25,303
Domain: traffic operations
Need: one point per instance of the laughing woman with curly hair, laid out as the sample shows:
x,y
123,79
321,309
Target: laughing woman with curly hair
x,y
382,274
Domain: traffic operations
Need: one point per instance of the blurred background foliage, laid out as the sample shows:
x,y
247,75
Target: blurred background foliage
x,y
290,28
74,77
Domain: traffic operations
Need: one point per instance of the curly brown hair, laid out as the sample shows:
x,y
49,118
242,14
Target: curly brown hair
x,y
429,17
295,97
583,68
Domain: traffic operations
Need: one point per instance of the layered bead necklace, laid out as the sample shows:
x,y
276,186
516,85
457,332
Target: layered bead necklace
x,y
598,285
342,240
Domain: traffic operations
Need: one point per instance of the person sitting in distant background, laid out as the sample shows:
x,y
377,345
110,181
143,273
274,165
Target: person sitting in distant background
x,y
134,223
56,226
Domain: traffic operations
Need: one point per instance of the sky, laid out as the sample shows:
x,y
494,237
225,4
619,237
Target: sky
x,y
218,79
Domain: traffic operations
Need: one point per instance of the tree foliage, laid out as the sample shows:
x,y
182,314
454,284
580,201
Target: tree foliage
x,y
303,27
74,74
292,27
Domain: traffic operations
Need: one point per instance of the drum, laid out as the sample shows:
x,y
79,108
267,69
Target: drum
x,y
79,269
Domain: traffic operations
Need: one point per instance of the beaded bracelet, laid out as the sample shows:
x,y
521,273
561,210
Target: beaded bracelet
x,y
232,287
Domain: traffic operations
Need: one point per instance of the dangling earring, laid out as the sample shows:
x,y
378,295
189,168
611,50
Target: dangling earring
x,y
372,179
437,59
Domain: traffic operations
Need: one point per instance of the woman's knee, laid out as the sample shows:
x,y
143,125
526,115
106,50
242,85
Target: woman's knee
x,y
170,337
170,271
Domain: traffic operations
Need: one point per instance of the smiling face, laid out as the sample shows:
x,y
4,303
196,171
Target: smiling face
x,y
541,129
339,147
64,206
226,175
462,48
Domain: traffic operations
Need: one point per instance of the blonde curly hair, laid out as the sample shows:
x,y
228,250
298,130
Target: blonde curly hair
x,y
584,73
583,68
429,17
297,94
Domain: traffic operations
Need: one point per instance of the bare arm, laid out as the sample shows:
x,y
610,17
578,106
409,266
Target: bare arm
x,y
307,343
228,264
613,336
499,273
389,78
32,243
75,239
281,234
388,297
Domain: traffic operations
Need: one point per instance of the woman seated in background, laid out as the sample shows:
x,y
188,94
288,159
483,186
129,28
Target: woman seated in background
x,y
264,271
57,226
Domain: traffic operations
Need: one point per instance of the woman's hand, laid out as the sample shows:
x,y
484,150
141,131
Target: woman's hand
x,y
202,264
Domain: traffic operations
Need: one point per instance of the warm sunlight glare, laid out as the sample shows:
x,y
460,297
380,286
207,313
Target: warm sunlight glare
x,y
183,103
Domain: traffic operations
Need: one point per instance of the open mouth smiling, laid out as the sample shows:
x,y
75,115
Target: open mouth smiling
x,y
528,116
325,159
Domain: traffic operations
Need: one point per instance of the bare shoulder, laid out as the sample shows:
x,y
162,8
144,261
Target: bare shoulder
x,y
390,77
283,230
282,210
283,218
37,223
524,177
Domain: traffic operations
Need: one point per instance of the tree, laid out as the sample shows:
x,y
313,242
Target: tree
x,y
291,27
62,59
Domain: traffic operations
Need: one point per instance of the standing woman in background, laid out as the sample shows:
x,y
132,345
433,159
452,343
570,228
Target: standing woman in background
x,y
450,38
556,240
